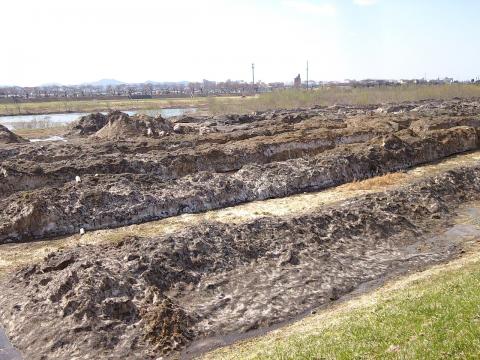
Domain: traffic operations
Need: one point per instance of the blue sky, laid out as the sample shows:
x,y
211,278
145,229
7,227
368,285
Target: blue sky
x,y
77,41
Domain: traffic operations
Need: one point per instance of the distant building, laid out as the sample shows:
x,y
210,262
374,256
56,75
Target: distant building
x,y
139,96
276,85
297,82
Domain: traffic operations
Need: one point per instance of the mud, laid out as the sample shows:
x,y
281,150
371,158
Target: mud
x,y
18,254
146,296
463,233
87,125
119,125
207,163
177,289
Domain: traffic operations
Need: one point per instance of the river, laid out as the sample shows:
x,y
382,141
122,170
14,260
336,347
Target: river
x,y
48,120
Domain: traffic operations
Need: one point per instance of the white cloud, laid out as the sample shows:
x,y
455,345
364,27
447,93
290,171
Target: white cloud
x,y
324,9
365,2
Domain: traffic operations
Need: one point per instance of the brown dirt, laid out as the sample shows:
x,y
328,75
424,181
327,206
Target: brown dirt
x,y
154,293
216,162
8,137
120,126
145,296
378,181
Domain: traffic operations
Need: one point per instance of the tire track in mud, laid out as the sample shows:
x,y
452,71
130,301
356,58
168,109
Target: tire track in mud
x,y
465,231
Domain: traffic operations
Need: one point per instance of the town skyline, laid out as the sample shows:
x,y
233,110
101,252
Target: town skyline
x,y
110,88
104,82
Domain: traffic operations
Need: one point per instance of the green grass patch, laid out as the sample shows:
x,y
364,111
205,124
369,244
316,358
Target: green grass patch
x,y
432,315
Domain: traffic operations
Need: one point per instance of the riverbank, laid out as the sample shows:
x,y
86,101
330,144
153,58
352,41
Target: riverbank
x,y
46,126
41,133
280,99
74,106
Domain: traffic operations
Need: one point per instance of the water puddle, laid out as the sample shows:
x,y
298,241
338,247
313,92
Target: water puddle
x,y
7,351
51,138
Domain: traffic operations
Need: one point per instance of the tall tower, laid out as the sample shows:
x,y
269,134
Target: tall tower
x,y
253,74
307,74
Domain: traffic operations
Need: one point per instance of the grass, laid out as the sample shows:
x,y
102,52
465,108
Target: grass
x,y
434,314
35,124
38,128
49,107
377,182
290,98
329,96
41,133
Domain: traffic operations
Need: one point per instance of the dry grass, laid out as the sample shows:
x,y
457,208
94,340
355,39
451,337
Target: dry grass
x,y
290,98
41,133
329,96
38,128
375,183
50,107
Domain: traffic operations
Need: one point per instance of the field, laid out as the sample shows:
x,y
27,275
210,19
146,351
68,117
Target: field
x,y
50,107
284,99
35,133
288,99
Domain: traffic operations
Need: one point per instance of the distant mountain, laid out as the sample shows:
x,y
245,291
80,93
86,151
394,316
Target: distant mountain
x,y
166,82
105,82
51,84
111,82
152,82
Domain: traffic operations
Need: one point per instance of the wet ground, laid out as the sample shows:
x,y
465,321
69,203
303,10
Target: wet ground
x,y
7,351
24,253
463,233
242,240
195,164
220,279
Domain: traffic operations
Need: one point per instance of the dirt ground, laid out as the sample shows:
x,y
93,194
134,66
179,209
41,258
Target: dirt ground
x,y
105,176
268,250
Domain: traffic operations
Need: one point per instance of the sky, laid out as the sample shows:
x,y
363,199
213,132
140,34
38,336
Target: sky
x,y
71,42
